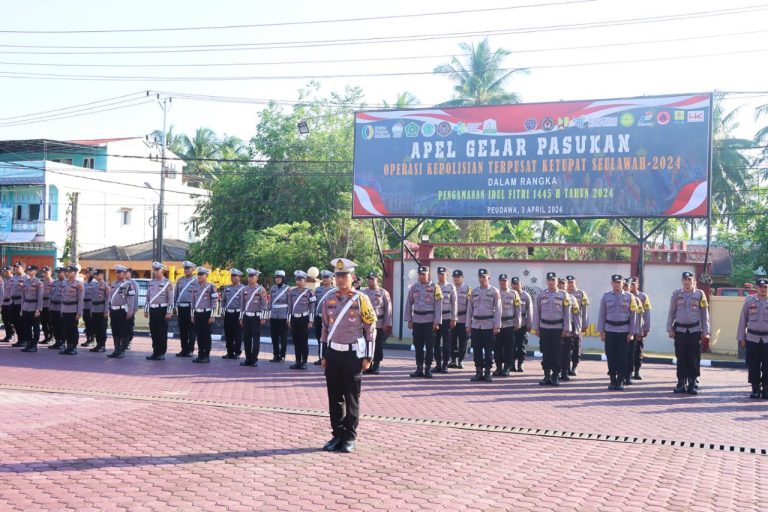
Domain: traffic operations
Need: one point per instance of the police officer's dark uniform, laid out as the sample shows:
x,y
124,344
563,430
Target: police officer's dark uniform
x,y
254,299
55,309
278,316
382,305
574,340
230,310
510,322
301,312
645,327
45,314
121,305
526,317
88,292
71,310
688,325
321,292
459,332
133,294
752,334
575,329
205,301
182,298
31,309
423,312
552,321
347,344
7,305
483,323
449,315
17,297
158,307
99,310
617,325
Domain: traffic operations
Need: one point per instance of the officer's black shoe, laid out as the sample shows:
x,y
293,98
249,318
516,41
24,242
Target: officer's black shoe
x,y
572,372
71,352
19,344
275,359
201,359
246,363
487,375
418,373
295,366
520,366
692,387
63,350
680,388
755,391
333,445
156,357
303,366
347,447
30,348
120,355
55,346
113,354
5,340
637,376
97,348
228,356
765,393
478,376
555,381
375,369
460,365
181,354
497,372
437,369
619,384
612,385
505,372
452,364
564,376
547,380
88,343
428,373
627,380
318,362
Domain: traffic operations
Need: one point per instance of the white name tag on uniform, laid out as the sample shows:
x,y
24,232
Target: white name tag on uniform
x,y
361,347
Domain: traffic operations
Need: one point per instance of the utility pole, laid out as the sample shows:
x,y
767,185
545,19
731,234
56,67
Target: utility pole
x,y
73,228
165,104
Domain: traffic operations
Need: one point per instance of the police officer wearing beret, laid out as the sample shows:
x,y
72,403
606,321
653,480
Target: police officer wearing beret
x,y
158,308
552,321
459,331
230,310
347,345
301,313
688,325
449,315
483,323
423,312
752,335
182,299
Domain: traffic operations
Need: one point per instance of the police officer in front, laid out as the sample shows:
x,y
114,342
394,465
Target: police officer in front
x,y
459,332
617,325
449,315
71,310
99,310
347,345
254,299
575,328
483,323
205,301
55,311
45,314
382,305
182,298
575,338
688,325
301,313
423,312
636,358
87,292
752,335
31,308
510,322
158,308
7,305
133,296
321,292
120,308
230,309
278,316
552,321
17,297
526,317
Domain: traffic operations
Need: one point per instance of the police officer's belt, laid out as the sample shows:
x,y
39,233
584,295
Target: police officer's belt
x,y
507,318
251,314
30,300
694,324
232,310
158,305
70,303
115,308
343,347
97,302
300,315
15,297
183,304
55,302
423,312
757,333
623,322
482,317
447,312
202,310
461,312
552,322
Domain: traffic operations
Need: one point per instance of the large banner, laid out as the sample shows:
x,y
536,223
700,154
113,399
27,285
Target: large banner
x,y
636,157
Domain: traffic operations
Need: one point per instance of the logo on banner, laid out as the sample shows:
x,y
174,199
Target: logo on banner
x,y
427,129
679,116
580,122
696,116
367,132
663,118
397,130
605,122
381,132
563,123
444,129
646,119
547,124
627,119
489,126
461,128
412,130
474,127
530,124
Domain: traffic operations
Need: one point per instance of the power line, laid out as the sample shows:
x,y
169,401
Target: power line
x,y
299,23
101,49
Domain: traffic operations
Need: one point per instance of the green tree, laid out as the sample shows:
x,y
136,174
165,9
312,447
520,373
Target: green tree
x,y
404,99
731,176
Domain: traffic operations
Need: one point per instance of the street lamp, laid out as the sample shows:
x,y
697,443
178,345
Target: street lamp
x,y
303,127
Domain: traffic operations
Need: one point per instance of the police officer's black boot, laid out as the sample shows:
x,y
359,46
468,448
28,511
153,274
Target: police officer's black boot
x,y
619,382
452,364
478,376
547,380
27,347
505,371
499,370
520,366
612,385
418,373
487,375
692,386
755,391
765,391
627,380
55,346
572,372
564,376
680,388
428,370
374,369
555,380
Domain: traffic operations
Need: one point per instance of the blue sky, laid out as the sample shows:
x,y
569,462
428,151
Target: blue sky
x,y
730,48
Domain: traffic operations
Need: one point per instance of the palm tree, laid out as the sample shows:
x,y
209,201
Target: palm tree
x,y
480,80
198,153
731,176
404,99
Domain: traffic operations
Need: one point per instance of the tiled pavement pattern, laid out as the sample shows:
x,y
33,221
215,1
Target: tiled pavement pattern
x,y
88,433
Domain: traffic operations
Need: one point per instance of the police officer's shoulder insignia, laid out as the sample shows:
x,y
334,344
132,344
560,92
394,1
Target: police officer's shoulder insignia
x,y
438,293
517,298
367,313
633,305
584,299
703,303
312,298
647,303
575,308
566,302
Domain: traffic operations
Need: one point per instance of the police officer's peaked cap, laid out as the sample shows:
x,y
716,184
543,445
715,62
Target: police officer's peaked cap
x,y
155,266
32,267
279,273
761,281
60,269
299,274
423,269
561,279
570,278
441,270
373,275
89,269
252,272
203,270
343,265
72,268
458,273
551,275
503,277
18,264
687,274
121,268
98,271
235,272
326,273
515,280
188,264
482,272
45,269
631,280
6,268
616,277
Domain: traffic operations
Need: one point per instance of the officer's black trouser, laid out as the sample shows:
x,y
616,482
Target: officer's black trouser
x,y
424,343
17,321
575,350
45,323
757,362
631,347
69,326
503,348
117,319
31,332
318,323
186,329
233,334
687,352
520,340
482,348
443,343
99,327
203,333
616,350
568,344
55,318
459,341
637,361
252,337
378,351
300,335
130,326
551,346
87,321
158,330
343,377
8,320
278,330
